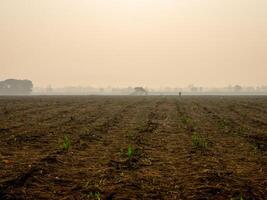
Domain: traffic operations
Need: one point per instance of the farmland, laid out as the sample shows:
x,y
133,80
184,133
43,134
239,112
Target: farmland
x,y
123,147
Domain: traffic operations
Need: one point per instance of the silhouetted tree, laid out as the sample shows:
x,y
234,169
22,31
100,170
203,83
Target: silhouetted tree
x,y
13,86
237,88
139,91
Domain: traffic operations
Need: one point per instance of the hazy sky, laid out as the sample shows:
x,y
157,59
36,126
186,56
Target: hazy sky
x,y
134,42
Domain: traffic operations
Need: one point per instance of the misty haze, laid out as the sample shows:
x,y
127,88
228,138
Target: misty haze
x,y
133,99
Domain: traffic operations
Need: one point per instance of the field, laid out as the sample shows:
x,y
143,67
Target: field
x,y
161,147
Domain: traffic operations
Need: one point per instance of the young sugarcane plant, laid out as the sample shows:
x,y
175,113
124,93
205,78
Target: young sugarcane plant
x,y
130,152
66,143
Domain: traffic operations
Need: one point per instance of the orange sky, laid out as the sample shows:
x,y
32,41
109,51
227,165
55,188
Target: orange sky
x,y
151,43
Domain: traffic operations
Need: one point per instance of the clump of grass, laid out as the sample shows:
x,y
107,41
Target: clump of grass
x,y
94,195
130,135
97,195
66,143
184,120
199,142
237,198
92,191
223,123
187,122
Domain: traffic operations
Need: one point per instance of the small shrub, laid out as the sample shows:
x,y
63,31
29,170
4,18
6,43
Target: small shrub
x,y
66,143
199,142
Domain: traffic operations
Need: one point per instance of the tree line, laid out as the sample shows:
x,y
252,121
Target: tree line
x,y
16,87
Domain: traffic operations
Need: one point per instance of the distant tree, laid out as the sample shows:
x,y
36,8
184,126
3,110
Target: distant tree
x,y
250,89
101,90
237,88
13,86
139,91
194,89
49,89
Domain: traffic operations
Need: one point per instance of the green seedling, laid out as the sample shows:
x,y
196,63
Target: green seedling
x,y
184,120
133,152
130,152
223,123
94,195
97,195
199,142
66,143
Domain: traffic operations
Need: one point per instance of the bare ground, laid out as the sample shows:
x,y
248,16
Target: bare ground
x,y
165,163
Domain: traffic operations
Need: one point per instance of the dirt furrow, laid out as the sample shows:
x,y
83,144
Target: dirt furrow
x,y
77,158
224,154
25,167
125,147
237,123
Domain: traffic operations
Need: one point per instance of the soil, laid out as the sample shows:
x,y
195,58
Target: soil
x,y
124,147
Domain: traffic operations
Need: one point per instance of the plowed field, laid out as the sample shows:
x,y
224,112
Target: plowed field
x,y
190,147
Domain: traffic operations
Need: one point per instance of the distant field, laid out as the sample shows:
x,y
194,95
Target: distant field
x,y
193,147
